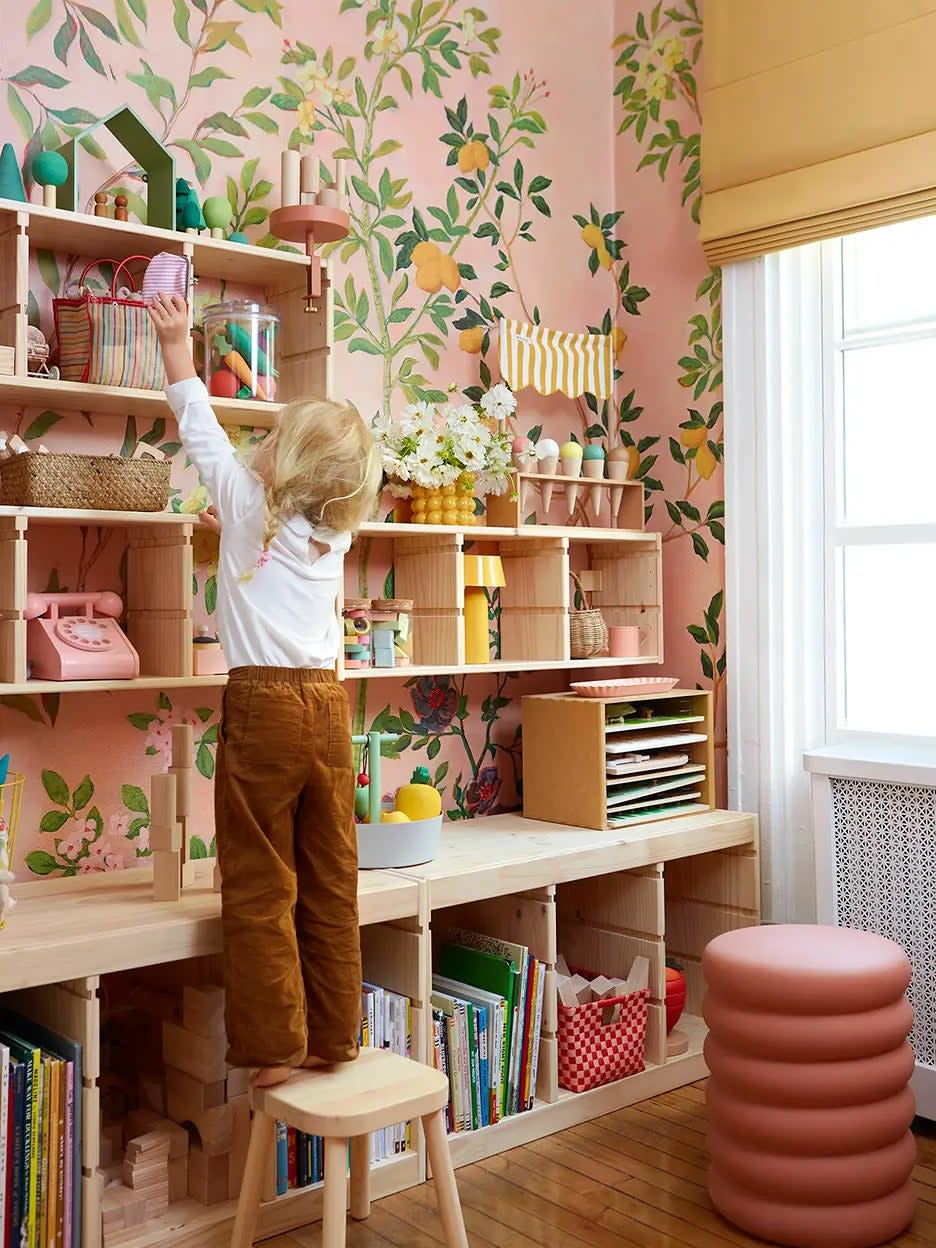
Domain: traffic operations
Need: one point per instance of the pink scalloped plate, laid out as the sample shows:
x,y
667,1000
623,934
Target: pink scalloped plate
x,y
633,688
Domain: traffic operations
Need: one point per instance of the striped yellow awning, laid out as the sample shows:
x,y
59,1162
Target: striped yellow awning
x,y
576,364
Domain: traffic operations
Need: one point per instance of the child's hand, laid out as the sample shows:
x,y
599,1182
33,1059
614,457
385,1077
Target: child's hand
x,y
210,519
169,314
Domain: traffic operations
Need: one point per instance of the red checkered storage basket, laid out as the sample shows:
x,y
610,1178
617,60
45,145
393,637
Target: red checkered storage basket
x,y
592,1052
108,340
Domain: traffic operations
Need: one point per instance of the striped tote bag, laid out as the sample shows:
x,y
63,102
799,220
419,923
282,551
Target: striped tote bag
x,y
547,360
108,340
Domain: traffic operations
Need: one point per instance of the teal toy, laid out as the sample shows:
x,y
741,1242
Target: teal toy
x,y
4,768
50,171
11,180
238,237
241,342
191,215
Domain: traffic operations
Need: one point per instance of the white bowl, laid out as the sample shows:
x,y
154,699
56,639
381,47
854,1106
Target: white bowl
x,y
385,845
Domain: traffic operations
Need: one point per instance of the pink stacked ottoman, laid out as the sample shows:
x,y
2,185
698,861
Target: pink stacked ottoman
x,y
808,1098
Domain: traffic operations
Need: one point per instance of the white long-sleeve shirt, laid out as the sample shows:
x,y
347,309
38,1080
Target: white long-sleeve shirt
x,y
275,609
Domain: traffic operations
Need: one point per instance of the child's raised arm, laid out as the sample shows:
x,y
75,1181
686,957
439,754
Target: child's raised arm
x,y
232,487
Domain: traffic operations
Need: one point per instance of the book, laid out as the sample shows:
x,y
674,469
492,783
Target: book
x,y
491,1009
19,1181
4,1138
70,1051
537,1031
30,1056
495,966
291,1157
43,1197
64,1156
282,1159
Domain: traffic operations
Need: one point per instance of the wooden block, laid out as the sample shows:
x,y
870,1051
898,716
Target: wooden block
x,y
112,1173
168,839
151,1145
141,1121
208,1191
186,1097
238,1082
215,1129
202,1057
183,745
240,1106
178,1179
562,967
114,1131
203,1165
639,974
167,877
565,991
203,1010
153,1093
183,778
582,989
163,812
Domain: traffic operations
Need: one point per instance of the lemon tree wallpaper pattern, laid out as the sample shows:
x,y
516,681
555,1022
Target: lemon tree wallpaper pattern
x,y
478,142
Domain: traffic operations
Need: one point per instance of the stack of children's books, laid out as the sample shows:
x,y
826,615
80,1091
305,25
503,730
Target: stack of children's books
x,y
40,1136
386,1023
487,1014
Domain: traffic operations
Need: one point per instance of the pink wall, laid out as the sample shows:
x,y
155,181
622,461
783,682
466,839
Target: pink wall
x,y
215,80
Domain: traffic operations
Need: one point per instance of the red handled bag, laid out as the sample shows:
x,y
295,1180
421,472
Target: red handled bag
x,y
108,340
592,1052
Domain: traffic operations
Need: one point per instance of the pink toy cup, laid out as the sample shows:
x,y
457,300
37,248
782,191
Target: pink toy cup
x,y
624,641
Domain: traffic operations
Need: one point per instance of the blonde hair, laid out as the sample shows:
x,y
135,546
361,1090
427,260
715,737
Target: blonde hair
x,y
320,462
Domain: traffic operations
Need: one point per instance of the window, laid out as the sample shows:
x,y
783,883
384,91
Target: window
x,y
879,453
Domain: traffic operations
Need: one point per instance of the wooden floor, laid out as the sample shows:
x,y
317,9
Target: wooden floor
x,y
635,1179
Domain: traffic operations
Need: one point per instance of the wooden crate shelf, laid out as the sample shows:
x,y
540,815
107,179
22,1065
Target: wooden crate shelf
x,y
566,740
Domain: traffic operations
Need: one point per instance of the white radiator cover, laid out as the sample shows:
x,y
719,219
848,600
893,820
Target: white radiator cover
x,y
876,870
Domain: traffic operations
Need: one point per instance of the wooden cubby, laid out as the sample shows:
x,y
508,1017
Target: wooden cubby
x,y
534,603
565,759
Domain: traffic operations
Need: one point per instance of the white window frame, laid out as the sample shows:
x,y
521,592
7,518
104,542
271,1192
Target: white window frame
x,y
780,398
838,535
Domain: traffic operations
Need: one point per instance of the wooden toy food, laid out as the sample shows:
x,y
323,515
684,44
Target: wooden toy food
x,y
419,799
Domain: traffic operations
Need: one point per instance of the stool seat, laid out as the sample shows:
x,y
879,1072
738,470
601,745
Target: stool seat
x,y
343,1104
798,968
355,1098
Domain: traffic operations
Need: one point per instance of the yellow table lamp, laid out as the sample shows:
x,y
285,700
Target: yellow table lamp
x,y
482,572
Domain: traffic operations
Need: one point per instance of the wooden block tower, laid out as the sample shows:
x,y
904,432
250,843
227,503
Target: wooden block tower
x,y
170,812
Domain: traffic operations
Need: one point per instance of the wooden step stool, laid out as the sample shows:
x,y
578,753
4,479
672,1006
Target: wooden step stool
x,y
348,1102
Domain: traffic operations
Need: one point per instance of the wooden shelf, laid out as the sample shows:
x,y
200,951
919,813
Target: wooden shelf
x,y
79,396
491,533
78,515
86,235
508,853
572,1108
471,669
113,686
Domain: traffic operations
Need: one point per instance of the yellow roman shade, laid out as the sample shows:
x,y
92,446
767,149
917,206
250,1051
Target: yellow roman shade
x,y
819,119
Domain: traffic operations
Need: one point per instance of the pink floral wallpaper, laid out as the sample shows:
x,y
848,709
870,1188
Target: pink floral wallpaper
x,y
554,159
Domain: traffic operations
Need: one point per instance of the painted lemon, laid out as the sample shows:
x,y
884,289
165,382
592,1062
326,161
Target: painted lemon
x,y
693,437
394,816
471,340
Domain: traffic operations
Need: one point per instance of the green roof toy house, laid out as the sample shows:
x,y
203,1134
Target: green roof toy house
x,y
140,143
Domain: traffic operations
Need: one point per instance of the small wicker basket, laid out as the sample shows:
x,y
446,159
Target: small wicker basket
x,y
588,632
91,482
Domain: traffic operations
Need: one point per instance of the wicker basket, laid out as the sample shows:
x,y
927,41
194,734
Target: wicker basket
x,y
588,632
91,482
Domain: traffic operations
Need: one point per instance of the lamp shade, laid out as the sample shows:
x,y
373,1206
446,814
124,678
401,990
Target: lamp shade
x,y
484,572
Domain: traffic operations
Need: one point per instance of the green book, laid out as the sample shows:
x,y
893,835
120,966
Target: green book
x,y
31,1057
484,962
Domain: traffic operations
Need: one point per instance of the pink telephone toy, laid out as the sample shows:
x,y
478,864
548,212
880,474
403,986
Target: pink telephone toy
x,y
89,645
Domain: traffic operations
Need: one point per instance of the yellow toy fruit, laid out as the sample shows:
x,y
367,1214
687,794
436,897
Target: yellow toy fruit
x,y
433,517
448,491
394,816
419,799
450,516
417,505
424,252
419,517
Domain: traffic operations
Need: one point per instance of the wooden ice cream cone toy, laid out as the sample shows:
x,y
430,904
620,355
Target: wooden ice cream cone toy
x,y
618,470
547,451
593,465
570,458
523,454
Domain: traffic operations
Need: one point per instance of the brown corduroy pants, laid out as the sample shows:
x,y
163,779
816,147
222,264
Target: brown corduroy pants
x,y
284,811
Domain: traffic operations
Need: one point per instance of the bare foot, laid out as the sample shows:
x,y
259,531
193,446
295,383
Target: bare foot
x,y
270,1076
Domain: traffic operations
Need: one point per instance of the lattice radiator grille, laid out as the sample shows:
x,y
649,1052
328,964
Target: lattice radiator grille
x,y
885,869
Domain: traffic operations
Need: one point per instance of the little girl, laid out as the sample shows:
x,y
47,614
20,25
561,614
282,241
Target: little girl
x,y
284,784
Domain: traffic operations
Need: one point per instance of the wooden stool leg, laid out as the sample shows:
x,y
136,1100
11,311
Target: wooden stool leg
x,y
336,1193
262,1134
443,1177
360,1177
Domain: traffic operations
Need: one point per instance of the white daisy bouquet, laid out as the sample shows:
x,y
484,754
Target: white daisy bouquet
x,y
436,446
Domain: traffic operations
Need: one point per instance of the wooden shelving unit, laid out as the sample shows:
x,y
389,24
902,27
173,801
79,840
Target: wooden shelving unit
x,y
664,888
567,744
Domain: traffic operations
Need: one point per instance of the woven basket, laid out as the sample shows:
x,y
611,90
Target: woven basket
x,y
588,632
90,482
